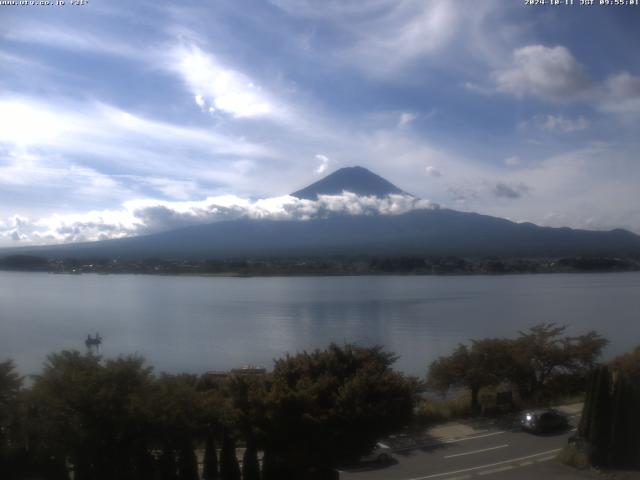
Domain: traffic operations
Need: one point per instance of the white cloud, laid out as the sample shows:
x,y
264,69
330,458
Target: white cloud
x,y
475,88
219,87
433,171
406,119
74,39
398,31
200,102
574,189
408,31
555,123
42,139
547,72
559,123
147,216
622,94
513,161
323,165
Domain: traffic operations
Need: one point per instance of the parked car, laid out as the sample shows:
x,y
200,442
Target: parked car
x,y
542,421
380,454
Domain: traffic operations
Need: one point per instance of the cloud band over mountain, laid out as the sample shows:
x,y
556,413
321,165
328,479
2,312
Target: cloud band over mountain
x,y
139,217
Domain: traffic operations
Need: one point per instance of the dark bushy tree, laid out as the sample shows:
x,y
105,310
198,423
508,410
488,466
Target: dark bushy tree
x,y
332,406
174,406
167,466
94,414
246,411
187,463
11,442
629,363
250,464
65,408
210,467
609,430
274,467
229,468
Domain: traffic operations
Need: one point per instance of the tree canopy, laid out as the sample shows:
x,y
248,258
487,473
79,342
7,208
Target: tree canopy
x,y
483,363
629,363
330,406
528,361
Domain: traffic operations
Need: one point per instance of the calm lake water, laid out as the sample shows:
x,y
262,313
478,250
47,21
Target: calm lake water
x,y
201,323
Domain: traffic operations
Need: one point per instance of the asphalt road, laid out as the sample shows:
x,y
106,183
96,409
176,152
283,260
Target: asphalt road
x,y
494,453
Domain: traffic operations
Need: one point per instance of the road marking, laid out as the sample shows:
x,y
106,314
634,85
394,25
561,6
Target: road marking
x,y
512,460
446,442
496,470
464,439
545,459
476,451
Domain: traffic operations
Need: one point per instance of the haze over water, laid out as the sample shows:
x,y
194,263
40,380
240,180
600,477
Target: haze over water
x,y
196,324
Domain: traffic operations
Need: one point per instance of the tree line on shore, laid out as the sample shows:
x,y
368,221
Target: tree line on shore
x,y
539,364
107,419
324,265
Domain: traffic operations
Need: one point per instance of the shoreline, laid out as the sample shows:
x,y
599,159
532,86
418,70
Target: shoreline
x,y
326,274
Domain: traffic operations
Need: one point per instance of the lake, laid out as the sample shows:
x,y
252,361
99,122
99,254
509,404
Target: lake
x,y
197,324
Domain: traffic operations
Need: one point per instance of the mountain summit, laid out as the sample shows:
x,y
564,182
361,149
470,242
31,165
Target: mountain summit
x,y
357,180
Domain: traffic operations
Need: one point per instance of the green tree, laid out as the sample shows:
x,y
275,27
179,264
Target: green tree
x,y
229,468
609,429
94,414
10,438
213,407
250,464
629,363
10,385
484,363
542,352
187,463
210,467
246,412
65,408
167,466
176,407
331,406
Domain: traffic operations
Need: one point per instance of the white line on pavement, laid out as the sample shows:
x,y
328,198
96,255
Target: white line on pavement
x,y
456,440
436,475
476,451
496,470
545,459
446,442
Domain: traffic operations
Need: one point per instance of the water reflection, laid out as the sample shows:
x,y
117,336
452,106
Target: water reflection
x,y
196,324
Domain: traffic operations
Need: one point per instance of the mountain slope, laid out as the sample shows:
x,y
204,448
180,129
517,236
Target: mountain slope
x,y
357,180
438,232
419,232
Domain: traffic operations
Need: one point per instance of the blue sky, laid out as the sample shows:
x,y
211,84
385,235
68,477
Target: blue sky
x,y
120,118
